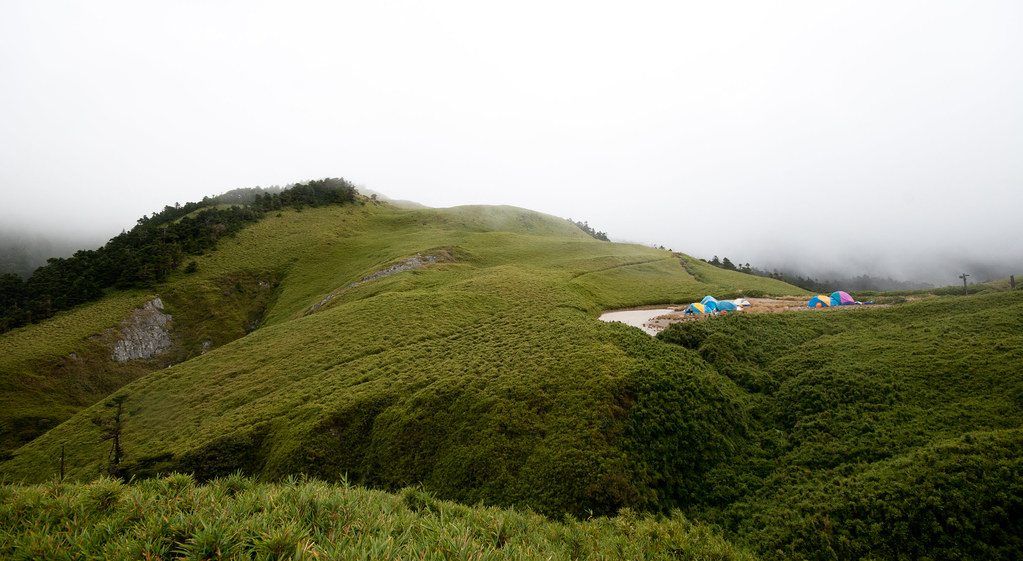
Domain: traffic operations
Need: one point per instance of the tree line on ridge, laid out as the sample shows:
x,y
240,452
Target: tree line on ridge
x,y
156,246
861,282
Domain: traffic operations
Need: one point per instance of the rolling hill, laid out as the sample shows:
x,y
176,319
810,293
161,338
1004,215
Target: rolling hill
x,y
475,374
459,349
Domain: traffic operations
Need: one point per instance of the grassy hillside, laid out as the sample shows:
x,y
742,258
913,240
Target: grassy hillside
x,y
236,518
886,433
485,376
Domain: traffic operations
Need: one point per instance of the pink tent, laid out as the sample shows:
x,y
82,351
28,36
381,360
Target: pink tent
x,y
841,298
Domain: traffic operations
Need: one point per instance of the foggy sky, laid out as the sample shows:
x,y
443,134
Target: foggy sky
x,y
871,137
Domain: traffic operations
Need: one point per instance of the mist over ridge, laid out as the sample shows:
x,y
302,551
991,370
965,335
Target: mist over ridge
x,y
21,250
809,135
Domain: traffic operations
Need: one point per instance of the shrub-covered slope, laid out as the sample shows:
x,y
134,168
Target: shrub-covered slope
x,y
485,375
875,433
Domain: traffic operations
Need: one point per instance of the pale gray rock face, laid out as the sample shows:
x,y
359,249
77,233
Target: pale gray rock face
x,y
144,334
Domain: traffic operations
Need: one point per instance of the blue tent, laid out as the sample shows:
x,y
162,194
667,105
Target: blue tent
x,y
820,301
710,303
696,308
727,306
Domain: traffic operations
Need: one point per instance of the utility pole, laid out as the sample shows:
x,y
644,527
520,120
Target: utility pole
x,y
1012,282
965,290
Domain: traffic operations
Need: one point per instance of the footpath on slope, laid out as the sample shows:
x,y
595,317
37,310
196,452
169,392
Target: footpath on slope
x,y
410,264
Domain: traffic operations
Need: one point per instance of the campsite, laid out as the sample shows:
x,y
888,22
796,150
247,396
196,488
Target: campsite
x,y
654,319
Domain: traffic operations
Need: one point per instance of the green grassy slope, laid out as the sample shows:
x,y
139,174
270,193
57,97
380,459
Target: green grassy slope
x,y
485,376
875,433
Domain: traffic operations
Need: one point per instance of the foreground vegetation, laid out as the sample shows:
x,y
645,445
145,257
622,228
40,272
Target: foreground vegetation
x,y
236,518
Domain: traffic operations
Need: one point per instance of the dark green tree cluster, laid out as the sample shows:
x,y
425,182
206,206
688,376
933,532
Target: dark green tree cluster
x,y
585,227
330,191
727,264
150,251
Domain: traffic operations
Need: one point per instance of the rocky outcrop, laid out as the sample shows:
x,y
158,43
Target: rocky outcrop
x,y
145,334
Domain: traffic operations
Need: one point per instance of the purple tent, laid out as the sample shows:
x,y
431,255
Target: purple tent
x,y
841,298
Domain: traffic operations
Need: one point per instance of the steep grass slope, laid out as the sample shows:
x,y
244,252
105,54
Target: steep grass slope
x,y
485,376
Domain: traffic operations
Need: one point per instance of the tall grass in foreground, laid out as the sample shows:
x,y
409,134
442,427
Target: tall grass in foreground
x,y
236,518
